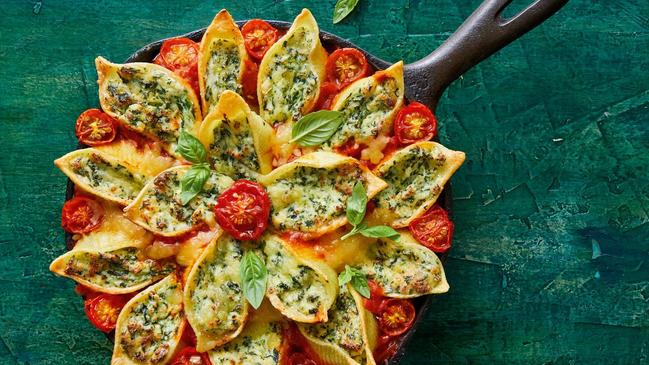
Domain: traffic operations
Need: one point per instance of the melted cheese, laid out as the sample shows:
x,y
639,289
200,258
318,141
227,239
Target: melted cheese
x,y
260,343
101,174
115,232
148,160
301,289
350,334
149,99
221,60
150,325
159,209
404,269
291,72
333,251
416,176
368,107
309,195
237,139
214,301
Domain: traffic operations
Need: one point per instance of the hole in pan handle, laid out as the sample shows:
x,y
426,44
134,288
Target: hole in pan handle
x,y
482,34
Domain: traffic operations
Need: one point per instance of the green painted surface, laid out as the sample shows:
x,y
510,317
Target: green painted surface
x,y
551,207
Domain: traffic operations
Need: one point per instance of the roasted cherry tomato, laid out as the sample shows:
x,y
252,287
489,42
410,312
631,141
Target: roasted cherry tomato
x,y
351,148
345,66
81,214
189,336
386,347
415,123
249,81
180,55
243,209
434,229
396,316
189,356
95,128
299,358
103,310
376,299
328,92
258,36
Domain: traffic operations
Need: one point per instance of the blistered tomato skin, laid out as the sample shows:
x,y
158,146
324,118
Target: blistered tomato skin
x,y
249,82
345,66
415,123
81,214
434,229
95,128
103,310
180,55
243,210
328,92
258,36
396,316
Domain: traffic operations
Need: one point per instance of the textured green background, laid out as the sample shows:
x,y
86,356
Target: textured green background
x,y
551,207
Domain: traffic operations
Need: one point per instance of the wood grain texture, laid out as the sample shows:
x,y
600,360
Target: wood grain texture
x,y
551,263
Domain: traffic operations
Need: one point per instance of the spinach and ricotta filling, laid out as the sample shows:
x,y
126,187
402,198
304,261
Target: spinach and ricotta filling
x,y
343,329
365,111
404,269
309,197
149,329
290,80
295,287
216,307
106,176
259,344
114,270
222,72
151,101
413,178
232,151
161,208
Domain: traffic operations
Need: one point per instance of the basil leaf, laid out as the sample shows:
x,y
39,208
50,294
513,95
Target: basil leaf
x,y
345,276
343,8
192,182
356,278
356,204
359,283
380,232
253,278
316,128
191,148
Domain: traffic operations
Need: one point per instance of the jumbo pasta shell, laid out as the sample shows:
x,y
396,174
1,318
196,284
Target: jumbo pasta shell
x,y
150,325
214,302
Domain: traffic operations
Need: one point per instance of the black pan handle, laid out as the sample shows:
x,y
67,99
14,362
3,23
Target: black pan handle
x,y
482,34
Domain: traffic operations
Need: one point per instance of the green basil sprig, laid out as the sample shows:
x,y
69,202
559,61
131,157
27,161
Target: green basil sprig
x,y
254,276
316,128
193,151
191,148
343,8
356,278
356,205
